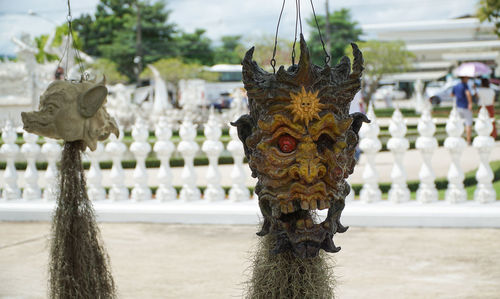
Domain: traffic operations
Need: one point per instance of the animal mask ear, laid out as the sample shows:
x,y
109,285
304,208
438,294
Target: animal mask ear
x,y
91,100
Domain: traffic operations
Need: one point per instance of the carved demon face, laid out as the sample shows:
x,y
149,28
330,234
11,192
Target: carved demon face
x,y
300,142
72,111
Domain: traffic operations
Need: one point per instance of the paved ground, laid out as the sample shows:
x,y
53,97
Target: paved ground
x,y
191,261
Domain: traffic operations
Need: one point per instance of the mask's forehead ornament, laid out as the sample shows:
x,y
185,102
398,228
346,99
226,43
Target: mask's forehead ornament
x,y
300,140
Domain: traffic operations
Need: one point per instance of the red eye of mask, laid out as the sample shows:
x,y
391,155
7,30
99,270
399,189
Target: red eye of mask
x,y
287,143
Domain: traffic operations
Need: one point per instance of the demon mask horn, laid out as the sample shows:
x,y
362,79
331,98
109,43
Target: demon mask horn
x,y
300,140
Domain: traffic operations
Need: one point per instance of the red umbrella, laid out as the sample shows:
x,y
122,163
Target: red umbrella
x,y
472,69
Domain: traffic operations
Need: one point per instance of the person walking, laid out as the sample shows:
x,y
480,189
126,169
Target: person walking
x,y
487,98
464,104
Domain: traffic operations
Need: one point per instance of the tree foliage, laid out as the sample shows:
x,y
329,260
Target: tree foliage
x,y
195,47
264,45
343,31
382,58
228,51
43,56
490,10
59,35
108,68
175,69
111,32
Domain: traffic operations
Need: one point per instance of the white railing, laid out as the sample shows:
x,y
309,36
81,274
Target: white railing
x,y
109,186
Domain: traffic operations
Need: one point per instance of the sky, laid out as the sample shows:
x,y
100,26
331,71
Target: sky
x,y
227,17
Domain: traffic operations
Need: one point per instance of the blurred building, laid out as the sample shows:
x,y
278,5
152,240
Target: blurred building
x,y
441,45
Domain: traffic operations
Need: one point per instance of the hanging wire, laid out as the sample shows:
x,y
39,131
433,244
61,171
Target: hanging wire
x,y
295,36
327,56
298,24
300,15
70,41
273,60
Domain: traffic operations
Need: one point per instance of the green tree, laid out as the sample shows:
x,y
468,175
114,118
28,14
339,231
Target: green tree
x,y
111,32
108,68
175,69
263,52
43,56
228,51
60,34
343,31
195,47
490,10
382,58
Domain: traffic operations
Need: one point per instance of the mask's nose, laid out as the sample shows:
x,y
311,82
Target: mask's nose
x,y
310,168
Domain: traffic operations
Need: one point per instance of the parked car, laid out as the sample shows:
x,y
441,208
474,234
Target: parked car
x,y
388,93
391,91
439,91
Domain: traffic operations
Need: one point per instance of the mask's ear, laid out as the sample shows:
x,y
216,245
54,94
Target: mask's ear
x,y
244,126
358,119
91,100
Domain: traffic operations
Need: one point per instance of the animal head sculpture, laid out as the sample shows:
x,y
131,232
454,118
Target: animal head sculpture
x,y
72,111
300,141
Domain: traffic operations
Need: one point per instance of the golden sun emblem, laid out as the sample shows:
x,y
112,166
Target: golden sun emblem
x,y
305,106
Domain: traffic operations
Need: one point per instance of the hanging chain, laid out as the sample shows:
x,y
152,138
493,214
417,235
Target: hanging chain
x,y
298,24
70,41
327,56
273,60
297,3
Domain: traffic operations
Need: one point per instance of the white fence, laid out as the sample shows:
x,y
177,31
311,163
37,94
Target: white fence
x,y
160,202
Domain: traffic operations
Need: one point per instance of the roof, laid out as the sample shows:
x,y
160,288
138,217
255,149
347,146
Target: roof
x,y
465,23
413,76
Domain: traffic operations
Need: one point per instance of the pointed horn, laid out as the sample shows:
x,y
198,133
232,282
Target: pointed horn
x,y
305,60
248,59
357,66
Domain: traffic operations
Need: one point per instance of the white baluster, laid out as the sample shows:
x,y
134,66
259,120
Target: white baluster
x,y
398,145
419,99
116,149
140,148
455,144
370,145
426,144
52,151
31,150
94,176
484,143
238,191
10,150
188,148
213,147
164,149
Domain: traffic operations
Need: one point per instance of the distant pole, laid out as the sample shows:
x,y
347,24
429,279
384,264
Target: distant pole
x,y
138,41
327,31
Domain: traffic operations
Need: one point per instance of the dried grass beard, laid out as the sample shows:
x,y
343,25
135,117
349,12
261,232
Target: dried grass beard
x,y
286,276
79,265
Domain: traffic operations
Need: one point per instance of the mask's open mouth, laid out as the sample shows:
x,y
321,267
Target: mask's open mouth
x,y
295,222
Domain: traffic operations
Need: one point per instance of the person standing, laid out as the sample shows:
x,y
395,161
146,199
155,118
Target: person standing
x,y
464,104
487,98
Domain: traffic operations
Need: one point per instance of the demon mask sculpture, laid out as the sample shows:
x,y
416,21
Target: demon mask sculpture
x,y
300,140
72,111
